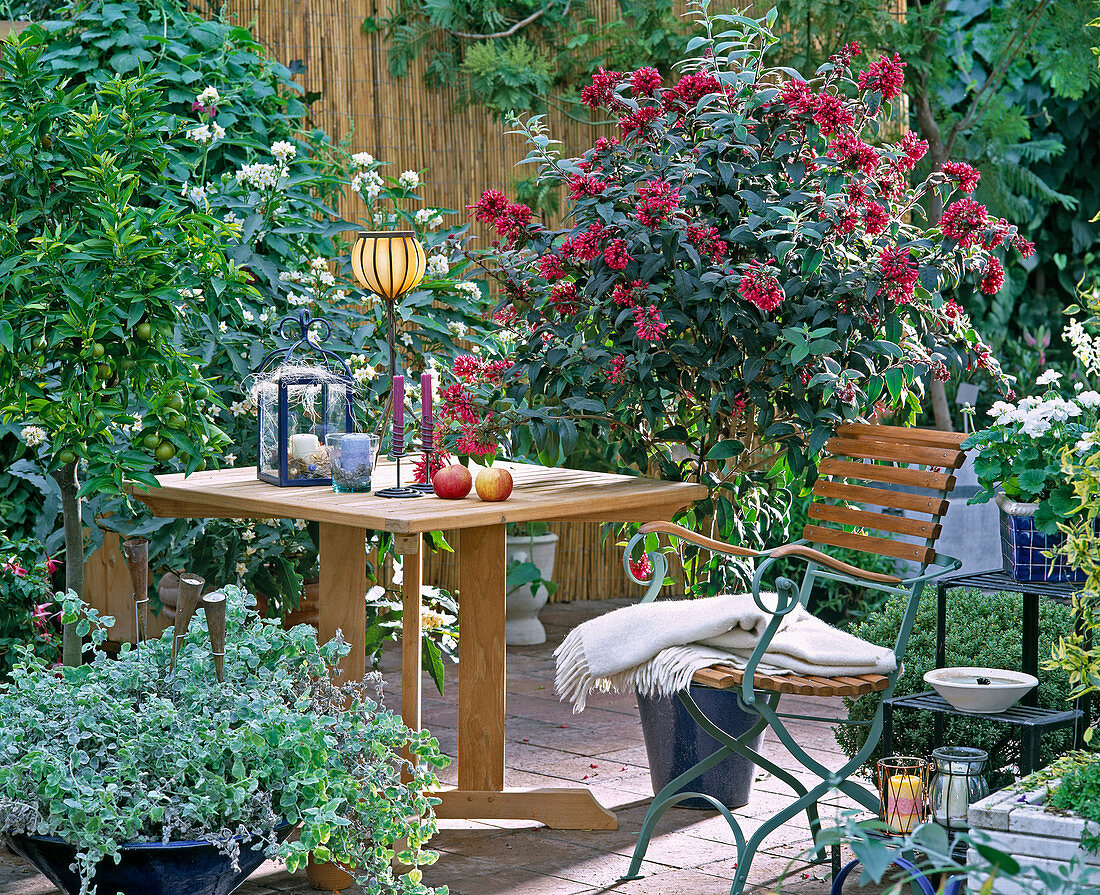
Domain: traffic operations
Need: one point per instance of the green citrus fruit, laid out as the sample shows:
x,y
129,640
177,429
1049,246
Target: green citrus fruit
x,y
66,457
201,393
175,401
144,331
151,441
98,350
176,420
165,451
103,371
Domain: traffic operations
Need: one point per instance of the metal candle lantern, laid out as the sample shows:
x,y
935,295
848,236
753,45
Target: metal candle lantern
x,y
957,783
299,405
903,792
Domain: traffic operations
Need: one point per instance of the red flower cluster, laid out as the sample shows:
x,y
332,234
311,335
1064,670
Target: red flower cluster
x,y
964,220
993,278
648,325
626,294
636,122
584,246
848,149
439,458
875,218
551,267
645,81
616,256
659,200
760,286
961,173
899,274
510,219
475,442
617,373
691,88
641,568
707,242
797,96
884,75
467,367
601,92
831,113
563,296
584,185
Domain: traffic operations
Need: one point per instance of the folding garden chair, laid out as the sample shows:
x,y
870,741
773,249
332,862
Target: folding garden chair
x,y
873,456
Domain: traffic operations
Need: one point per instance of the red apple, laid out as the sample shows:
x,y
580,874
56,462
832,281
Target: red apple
x,y
452,482
493,483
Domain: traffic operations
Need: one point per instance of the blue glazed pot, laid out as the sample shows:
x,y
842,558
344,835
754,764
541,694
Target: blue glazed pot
x,y
1024,550
674,742
146,868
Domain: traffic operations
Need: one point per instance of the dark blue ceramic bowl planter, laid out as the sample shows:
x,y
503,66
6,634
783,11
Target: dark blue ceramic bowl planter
x,y
146,868
1024,550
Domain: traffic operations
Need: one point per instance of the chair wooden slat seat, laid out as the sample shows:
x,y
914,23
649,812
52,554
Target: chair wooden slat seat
x,y
725,677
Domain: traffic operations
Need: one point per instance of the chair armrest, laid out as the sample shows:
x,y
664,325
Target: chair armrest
x,y
805,552
686,534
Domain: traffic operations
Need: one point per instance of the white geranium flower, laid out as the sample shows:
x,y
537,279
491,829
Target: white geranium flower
x,y
1089,399
363,159
283,152
33,436
1048,378
209,96
409,180
1086,443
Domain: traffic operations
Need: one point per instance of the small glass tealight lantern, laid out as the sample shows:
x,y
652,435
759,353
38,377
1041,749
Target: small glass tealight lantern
x,y
351,460
903,792
299,405
957,783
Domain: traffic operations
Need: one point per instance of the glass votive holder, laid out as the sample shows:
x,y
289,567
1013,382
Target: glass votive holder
x,y
351,460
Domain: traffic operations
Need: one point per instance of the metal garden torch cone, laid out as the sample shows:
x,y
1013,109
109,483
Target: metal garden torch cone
x,y
136,551
214,607
186,603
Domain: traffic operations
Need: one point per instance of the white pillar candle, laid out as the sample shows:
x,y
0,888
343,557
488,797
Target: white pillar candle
x,y
304,444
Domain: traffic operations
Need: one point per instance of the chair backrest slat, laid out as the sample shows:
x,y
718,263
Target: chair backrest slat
x,y
835,537
881,467
895,500
902,525
891,475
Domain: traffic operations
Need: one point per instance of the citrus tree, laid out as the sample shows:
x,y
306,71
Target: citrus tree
x,y
94,261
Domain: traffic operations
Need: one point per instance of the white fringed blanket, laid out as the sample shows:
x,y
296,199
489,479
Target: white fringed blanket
x,y
657,647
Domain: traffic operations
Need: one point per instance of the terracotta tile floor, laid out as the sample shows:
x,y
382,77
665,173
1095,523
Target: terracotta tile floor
x,y
691,854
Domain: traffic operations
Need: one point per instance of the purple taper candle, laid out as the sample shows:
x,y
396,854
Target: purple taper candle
x,y
398,405
425,399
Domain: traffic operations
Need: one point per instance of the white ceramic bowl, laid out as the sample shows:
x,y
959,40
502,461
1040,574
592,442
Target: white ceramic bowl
x,y
966,688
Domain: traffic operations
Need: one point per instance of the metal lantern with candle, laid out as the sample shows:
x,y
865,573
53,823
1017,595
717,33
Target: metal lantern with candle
x,y
958,781
299,404
903,792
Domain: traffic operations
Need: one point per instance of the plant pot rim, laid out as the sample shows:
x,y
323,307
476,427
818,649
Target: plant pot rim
x,y
137,846
547,538
1015,507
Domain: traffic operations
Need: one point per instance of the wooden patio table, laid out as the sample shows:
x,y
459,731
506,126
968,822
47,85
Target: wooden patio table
x,y
541,494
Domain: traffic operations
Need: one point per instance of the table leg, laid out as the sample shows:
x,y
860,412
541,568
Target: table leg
x,y
481,684
408,547
1029,647
342,590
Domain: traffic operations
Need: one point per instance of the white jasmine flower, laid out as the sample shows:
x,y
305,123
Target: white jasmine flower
x,y
265,316
231,219
230,459
194,194
458,328
318,264
216,131
283,152
363,159
223,327
191,293
1048,378
242,569
340,295
209,96
33,435
360,375
427,217
407,339
469,288
430,619
409,180
327,278
248,535
259,175
200,134
438,266
249,317
368,184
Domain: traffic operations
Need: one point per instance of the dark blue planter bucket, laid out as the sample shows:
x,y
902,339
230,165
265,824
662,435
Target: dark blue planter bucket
x,y
147,868
674,742
1024,551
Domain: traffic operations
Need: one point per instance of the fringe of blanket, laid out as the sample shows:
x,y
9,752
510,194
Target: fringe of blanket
x,y
669,671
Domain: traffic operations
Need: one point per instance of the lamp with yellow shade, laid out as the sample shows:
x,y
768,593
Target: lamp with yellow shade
x,y
389,263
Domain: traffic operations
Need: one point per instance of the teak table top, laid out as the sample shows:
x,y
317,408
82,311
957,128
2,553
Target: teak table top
x,y
540,494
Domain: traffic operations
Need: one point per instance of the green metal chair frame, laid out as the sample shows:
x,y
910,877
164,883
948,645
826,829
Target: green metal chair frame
x,y
869,453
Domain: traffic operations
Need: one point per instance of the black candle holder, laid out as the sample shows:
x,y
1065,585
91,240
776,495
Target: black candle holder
x,y
399,490
427,446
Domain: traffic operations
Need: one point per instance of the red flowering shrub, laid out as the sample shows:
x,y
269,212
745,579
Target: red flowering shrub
x,y
747,252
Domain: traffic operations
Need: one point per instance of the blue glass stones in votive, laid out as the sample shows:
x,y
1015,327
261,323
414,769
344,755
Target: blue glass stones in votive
x,y
351,461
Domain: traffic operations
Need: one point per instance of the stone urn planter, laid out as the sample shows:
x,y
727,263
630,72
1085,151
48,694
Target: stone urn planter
x,y
1020,824
521,623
